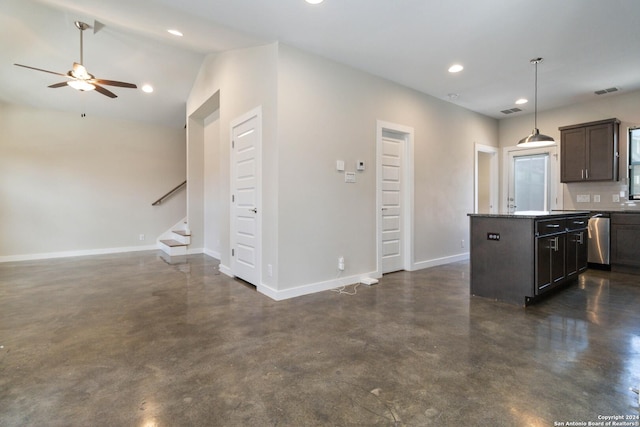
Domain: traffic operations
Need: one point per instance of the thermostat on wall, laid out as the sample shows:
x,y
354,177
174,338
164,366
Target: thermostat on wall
x,y
350,177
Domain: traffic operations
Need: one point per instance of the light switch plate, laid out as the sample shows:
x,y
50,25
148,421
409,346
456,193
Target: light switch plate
x,y
340,165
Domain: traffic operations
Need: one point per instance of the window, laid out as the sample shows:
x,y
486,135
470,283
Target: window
x,y
634,164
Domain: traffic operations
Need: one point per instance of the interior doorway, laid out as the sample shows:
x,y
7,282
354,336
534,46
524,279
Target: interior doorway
x,y
394,206
486,179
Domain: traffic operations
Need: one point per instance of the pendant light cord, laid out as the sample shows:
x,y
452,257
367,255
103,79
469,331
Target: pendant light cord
x,y
535,100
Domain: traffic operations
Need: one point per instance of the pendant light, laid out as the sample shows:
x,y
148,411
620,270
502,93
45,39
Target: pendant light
x,y
536,139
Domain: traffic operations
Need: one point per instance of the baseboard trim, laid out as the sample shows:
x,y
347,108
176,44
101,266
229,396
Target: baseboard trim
x,y
439,261
312,288
225,270
69,254
212,254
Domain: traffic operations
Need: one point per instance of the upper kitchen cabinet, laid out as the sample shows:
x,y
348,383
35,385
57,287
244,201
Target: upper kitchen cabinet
x,y
589,151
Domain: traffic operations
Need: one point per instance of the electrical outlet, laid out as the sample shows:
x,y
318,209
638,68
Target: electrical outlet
x,y
141,237
462,243
583,198
341,263
596,198
616,198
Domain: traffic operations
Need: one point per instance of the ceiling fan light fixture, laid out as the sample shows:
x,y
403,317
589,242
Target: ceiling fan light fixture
x,y
536,139
81,85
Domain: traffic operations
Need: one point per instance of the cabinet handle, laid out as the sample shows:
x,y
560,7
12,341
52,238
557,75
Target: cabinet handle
x,y
553,244
581,238
587,173
582,171
553,225
578,222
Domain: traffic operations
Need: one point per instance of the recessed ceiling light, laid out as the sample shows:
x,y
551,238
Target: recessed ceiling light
x,y
456,68
175,32
147,88
314,1
522,101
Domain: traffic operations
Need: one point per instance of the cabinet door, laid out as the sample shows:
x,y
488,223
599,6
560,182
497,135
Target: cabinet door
x,y
625,245
550,261
600,152
576,261
543,263
583,253
573,155
558,259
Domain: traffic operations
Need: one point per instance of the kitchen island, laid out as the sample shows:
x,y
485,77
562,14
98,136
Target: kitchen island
x,y
519,258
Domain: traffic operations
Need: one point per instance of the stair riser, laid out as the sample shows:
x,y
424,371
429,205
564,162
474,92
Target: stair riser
x,y
173,251
182,239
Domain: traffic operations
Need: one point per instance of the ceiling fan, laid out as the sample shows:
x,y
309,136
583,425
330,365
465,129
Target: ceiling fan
x,y
79,77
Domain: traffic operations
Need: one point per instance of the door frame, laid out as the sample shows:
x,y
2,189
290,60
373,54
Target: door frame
x,y
257,113
493,176
555,187
407,192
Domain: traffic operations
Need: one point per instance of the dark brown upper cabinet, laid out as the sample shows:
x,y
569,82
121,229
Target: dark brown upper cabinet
x,y
589,151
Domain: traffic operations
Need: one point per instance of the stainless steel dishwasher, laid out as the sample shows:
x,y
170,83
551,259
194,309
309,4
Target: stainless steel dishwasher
x,y
599,241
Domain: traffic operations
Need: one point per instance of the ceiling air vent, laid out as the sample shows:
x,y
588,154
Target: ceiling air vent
x,y
511,110
603,91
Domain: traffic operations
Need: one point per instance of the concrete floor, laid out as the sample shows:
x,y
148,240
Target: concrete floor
x,y
129,340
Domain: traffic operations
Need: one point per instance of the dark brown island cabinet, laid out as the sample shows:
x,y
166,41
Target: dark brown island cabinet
x,y
519,258
589,151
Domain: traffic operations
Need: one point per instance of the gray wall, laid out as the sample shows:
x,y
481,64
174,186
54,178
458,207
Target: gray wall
x,y
72,185
328,111
315,112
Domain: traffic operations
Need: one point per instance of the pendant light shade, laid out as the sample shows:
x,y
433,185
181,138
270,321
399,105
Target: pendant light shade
x,y
536,139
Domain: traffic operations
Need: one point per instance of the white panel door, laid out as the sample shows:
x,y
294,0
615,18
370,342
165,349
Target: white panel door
x,y
245,200
392,232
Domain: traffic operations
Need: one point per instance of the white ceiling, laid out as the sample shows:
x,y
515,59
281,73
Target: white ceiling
x,y
587,45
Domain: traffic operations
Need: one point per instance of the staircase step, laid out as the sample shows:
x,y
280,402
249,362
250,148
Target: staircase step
x,y
182,233
172,243
173,247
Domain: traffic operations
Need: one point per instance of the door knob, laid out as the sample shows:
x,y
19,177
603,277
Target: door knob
x,y
254,210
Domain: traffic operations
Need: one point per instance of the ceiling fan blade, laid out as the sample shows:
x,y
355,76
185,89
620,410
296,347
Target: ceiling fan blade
x,y
104,91
40,69
115,83
56,85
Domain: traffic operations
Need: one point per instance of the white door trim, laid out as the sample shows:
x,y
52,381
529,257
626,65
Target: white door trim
x,y
407,192
255,113
493,190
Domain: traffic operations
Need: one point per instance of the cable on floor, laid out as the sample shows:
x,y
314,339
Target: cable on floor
x,y
342,290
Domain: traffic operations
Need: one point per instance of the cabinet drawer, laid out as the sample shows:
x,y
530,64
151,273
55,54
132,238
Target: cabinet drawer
x,y
550,226
625,219
577,222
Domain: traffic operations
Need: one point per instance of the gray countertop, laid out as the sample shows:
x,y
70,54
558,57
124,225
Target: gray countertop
x,y
533,214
